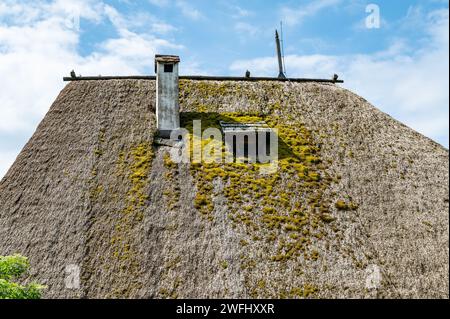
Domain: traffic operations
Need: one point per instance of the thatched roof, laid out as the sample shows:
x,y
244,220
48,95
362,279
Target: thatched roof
x,y
356,192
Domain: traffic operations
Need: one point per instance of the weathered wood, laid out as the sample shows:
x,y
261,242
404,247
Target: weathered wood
x,y
200,78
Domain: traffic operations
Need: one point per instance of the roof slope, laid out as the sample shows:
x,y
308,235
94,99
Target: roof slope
x,y
356,192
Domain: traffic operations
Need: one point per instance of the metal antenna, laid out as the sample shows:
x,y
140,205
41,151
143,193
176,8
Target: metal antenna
x,y
282,46
280,59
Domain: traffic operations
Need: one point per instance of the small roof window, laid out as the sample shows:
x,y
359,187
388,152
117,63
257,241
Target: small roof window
x,y
244,127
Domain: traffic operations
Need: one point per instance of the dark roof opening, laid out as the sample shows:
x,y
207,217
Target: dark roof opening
x,y
168,68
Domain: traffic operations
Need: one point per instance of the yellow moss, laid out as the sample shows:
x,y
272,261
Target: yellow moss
x,y
327,218
224,264
268,210
261,284
243,242
301,172
200,200
342,205
96,192
290,227
137,164
168,163
304,292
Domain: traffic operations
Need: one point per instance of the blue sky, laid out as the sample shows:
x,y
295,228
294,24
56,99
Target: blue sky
x,y
400,67
213,34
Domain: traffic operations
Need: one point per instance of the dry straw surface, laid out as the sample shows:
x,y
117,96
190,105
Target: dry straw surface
x,y
357,209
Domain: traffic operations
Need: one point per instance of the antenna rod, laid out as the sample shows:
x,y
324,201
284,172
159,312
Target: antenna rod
x,y
282,47
280,60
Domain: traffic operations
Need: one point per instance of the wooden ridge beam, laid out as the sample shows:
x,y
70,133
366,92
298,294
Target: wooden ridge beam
x,y
200,78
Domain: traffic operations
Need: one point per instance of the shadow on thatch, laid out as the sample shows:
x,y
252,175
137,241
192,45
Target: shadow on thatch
x,y
213,119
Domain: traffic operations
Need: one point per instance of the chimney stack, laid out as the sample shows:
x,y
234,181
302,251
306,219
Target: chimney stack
x,y
167,104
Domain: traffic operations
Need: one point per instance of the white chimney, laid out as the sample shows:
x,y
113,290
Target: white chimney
x,y
167,105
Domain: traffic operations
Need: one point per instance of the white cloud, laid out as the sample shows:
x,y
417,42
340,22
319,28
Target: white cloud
x,y
7,158
411,86
239,12
160,3
37,48
137,50
246,29
141,21
294,16
188,10
162,28
185,7
38,54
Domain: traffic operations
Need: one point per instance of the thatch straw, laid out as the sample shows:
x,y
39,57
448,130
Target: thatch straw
x,y
71,198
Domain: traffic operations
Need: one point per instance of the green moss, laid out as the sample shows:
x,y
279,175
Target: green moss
x,y
268,210
224,264
290,227
172,191
243,242
136,164
279,257
98,152
327,218
313,159
272,207
345,206
95,192
200,201
168,163
304,292
261,284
